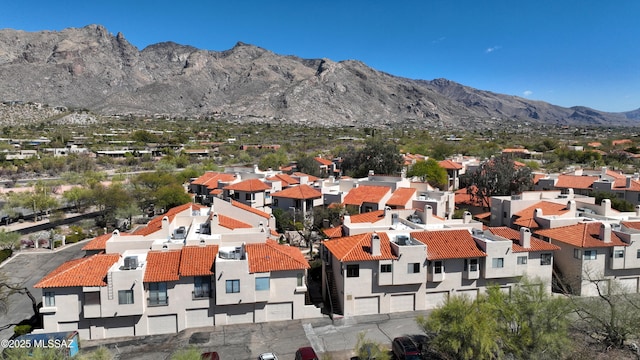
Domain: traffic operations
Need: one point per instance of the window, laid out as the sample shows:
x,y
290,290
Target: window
x,y
589,254
473,265
300,282
545,259
385,268
233,286
522,260
49,298
201,287
236,196
92,298
275,202
577,254
638,254
618,254
353,270
437,267
262,283
125,297
413,268
497,262
158,294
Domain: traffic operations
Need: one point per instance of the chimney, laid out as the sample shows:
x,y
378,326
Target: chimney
x,y
525,237
604,171
165,222
605,233
628,184
428,214
466,217
375,244
571,205
606,206
537,213
637,210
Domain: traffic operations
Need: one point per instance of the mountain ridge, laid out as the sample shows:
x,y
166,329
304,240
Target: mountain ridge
x,y
93,69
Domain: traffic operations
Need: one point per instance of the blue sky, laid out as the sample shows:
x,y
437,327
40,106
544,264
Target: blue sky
x,y
566,52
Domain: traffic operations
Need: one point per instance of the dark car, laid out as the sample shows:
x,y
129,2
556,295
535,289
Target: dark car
x,y
306,353
210,356
405,349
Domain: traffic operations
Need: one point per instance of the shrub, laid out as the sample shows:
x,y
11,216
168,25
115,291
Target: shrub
x,y
5,254
22,329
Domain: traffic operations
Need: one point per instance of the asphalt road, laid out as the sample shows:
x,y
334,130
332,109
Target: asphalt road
x,y
247,341
27,267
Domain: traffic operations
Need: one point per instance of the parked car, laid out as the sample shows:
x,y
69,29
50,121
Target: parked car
x,y
405,349
306,353
268,356
210,356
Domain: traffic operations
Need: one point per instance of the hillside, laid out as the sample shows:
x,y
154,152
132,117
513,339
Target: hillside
x,y
90,68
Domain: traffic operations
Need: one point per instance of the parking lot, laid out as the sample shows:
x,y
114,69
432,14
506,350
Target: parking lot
x,y
247,341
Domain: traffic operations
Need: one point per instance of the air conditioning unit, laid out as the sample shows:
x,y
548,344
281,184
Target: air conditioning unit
x,y
130,263
180,233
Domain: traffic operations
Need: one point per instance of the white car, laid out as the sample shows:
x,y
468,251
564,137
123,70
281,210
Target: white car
x,y
268,356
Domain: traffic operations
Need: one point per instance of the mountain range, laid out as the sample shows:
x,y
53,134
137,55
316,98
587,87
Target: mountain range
x,y
90,68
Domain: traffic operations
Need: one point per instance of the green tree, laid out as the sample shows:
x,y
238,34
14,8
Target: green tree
x,y
377,156
498,176
368,349
308,165
190,353
463,329
431,172
171,195
79,197
9,239
273,160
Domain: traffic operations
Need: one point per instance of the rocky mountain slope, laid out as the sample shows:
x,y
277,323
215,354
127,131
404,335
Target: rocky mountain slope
x,y
90,68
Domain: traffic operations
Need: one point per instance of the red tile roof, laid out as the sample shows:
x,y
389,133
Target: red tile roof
x,y
156,223
162,266
449,244
358,248
334,232
286,180
249,185
583,235
231,223
464,198
575,181
87,271
271,256
98,242
197,260
514,235
450,165
631,224
322,161
366,193
250,209
401,196
301,192
367,217
524,218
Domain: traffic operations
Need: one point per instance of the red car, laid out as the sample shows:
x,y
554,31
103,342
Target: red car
x,y
210,356
306,353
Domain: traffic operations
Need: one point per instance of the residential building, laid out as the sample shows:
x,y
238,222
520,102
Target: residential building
x,y
179,272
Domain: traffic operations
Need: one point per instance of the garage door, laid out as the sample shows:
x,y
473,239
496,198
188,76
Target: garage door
x,y
470,294
239,314
402,303
434,300
199,318
282,311
163,324
119,326
366,305
629,284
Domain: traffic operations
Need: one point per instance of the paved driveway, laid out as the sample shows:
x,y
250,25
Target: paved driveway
x,y
249,340
27,267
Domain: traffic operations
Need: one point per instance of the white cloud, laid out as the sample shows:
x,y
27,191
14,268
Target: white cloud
x,y
527,93
492,49
438,40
